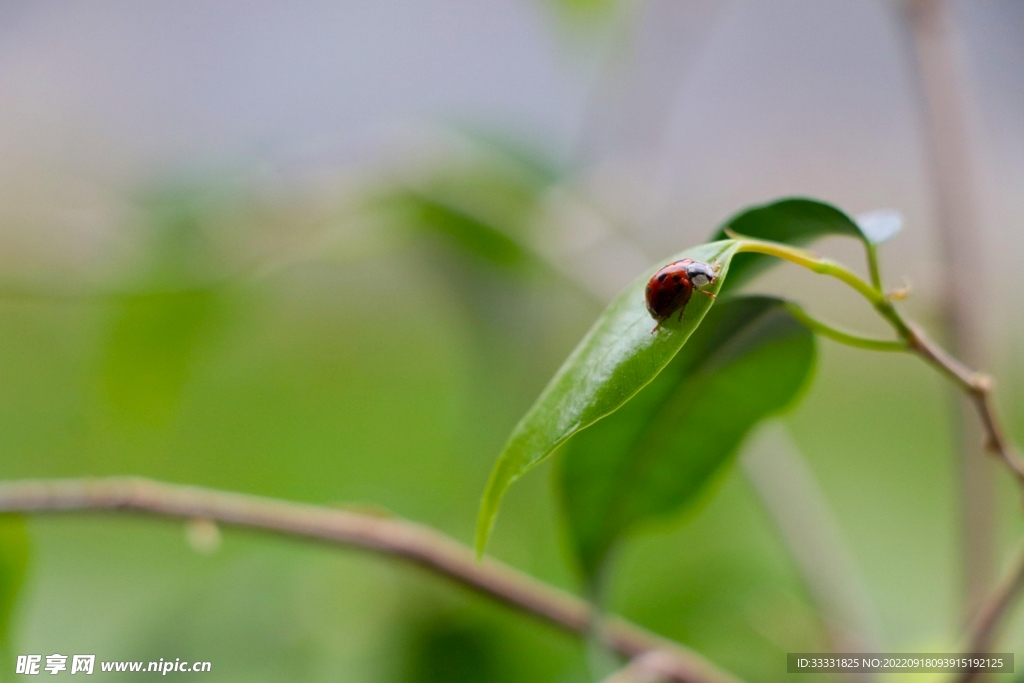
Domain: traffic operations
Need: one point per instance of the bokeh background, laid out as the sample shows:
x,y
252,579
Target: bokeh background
x,y
331,251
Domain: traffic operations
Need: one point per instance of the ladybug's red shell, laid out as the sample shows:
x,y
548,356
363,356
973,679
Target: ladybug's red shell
x,y
669,290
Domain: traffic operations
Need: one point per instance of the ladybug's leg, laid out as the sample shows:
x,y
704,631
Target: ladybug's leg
x,y
681,309
657,327
709,294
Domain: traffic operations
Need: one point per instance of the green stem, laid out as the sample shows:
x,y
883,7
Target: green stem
x,y
812,262
977,386
825,266
873,269
843,337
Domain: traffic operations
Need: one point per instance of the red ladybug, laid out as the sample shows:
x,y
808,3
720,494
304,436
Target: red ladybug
x,y
670,289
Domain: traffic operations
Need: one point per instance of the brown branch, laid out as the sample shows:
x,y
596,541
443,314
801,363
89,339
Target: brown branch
x,y
942,96
983,632
388,536
978,387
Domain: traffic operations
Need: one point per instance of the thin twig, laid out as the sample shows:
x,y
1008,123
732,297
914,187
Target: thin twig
x,y
942,101
842,336
824,266
787,489
873,269
982,633
389,536
977,385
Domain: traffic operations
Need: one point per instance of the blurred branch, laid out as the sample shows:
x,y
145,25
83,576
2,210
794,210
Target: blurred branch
x,y
387,536
790,493
976,385
653,667
982,633
942,106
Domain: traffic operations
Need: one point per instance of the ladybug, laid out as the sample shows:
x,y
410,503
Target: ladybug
x,y
670,289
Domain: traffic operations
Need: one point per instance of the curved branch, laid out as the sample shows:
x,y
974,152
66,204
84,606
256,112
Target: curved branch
x,y
977,386
991,614
388,536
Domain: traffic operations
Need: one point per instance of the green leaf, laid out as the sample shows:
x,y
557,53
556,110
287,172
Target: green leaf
x,y
749,359
14,551
791,221
616,358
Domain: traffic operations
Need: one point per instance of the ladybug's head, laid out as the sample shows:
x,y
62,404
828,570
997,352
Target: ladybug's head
x,y
701,273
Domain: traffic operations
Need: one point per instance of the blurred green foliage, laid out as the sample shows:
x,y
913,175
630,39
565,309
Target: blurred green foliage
x,y
155,331
14,558
152,340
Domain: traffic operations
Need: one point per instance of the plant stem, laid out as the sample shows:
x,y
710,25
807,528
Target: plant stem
x,y
824,266
388,536
983,631
842,336
873,270
808,260
976,385
787,490
939,82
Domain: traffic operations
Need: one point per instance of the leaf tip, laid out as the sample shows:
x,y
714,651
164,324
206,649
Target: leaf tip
x,y
483,533
487,514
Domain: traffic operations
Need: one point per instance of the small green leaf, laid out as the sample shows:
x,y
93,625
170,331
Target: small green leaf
x,y
14,551
880,226
791,221
748,359
616,358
